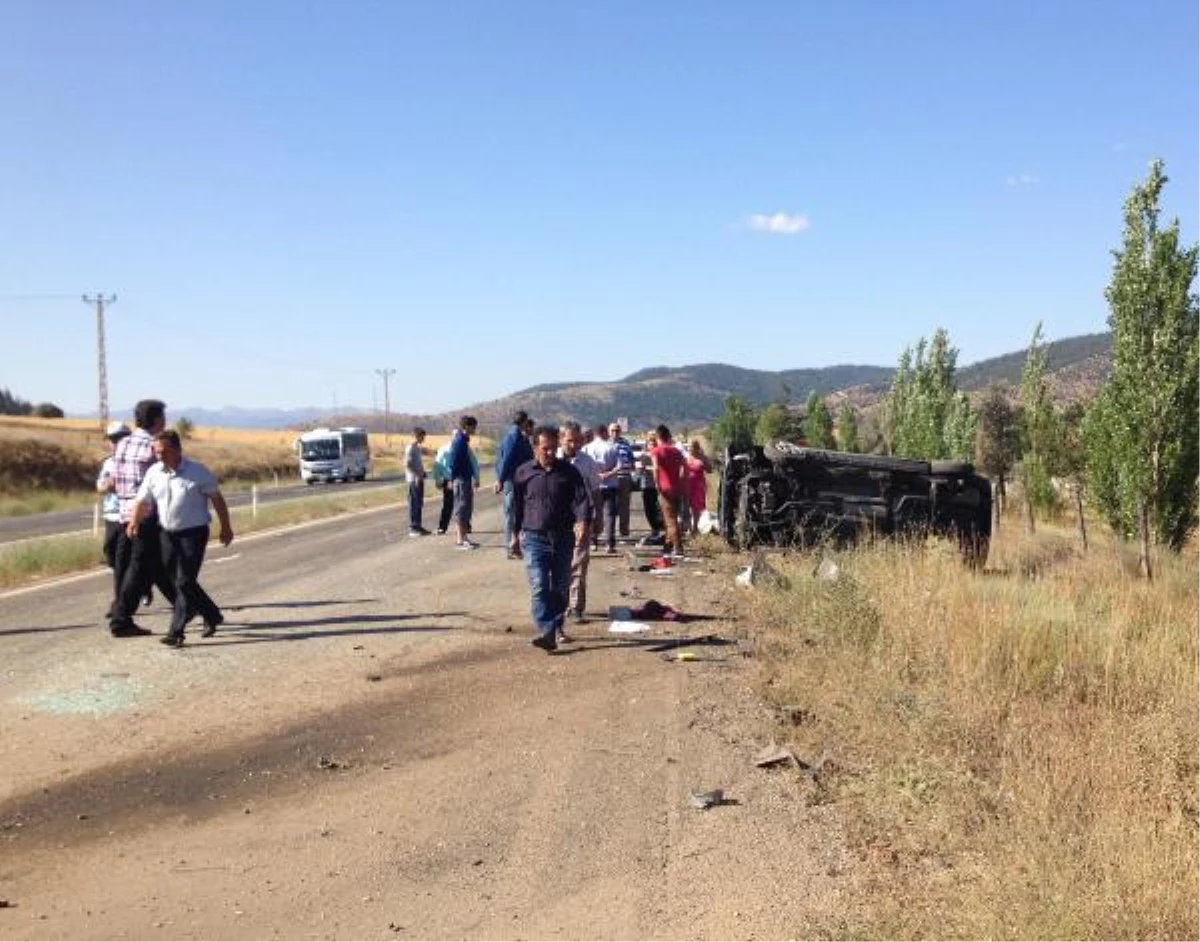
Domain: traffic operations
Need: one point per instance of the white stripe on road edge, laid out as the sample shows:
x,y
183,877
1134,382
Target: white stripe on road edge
x,y
282,502
249,537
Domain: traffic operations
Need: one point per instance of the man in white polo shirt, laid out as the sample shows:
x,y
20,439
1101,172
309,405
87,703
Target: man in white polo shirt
x,y
180,490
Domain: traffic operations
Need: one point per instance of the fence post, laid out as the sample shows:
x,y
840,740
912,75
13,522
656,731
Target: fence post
x,y
96,518
253,500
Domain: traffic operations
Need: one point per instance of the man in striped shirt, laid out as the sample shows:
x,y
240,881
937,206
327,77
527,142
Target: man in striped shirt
x,y
139,557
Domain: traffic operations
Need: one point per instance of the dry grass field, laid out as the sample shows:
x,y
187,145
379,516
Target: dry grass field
x,y
51,464
1016,749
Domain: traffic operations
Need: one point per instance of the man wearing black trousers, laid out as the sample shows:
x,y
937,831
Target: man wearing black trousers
x,y
181,489
138,558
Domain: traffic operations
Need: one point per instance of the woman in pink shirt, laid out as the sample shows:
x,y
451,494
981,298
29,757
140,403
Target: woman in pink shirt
x,y
698,464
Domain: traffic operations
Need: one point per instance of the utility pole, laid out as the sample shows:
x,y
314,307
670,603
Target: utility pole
x,y
102,367
387,407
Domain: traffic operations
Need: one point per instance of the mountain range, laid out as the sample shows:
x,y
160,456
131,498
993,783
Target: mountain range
x,y
692,396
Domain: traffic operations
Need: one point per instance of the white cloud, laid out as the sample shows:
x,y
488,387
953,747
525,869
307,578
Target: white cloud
x,y
778,223
1023,179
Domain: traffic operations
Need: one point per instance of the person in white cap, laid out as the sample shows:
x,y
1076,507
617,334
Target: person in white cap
x,y
110,504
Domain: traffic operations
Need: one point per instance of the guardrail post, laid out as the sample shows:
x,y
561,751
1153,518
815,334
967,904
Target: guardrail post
x,y
253,500
96,518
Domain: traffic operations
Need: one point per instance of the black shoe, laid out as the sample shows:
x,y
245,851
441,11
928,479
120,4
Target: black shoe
x,y
130,630
172,641
210,627
545,642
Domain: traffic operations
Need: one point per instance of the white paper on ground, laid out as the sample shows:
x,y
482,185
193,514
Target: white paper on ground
x,y
628,627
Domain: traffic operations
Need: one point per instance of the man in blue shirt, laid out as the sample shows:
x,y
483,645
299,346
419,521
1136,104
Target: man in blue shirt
x,y
464,479
513,452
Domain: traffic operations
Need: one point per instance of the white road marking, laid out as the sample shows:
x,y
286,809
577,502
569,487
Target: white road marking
x,y
263,534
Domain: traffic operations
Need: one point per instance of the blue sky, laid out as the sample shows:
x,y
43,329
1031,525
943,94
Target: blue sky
x,y
289,196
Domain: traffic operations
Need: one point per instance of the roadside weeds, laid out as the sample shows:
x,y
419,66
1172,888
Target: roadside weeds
x,y
1014,751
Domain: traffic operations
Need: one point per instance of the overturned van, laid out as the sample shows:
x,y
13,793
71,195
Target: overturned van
x,y
789,495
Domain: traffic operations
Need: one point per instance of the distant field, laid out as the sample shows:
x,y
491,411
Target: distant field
x,y
51,464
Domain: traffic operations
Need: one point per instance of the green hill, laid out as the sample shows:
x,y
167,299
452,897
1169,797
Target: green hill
x,y
689,397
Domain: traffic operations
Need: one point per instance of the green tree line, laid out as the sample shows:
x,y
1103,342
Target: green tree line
x,y
1134,452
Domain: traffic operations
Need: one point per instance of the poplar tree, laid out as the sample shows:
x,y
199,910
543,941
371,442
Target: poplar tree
x,y
774,424
818,423
734,427
1143,447
847,429
998,443
927,416
1040,431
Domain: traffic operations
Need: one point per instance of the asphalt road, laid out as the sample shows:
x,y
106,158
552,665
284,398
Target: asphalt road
x,y
369,748
61,523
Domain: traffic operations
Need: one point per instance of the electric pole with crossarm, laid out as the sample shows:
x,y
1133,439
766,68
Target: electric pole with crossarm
x,y
387,407
102,367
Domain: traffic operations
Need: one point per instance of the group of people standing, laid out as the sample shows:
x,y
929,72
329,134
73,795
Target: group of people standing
x,y
455,477
563,490
157,524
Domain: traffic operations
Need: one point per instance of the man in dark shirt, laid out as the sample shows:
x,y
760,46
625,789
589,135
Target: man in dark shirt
x,y
464,478
515,449
552,513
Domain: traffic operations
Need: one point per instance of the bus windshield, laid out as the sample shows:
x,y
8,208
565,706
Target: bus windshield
x,y
322,449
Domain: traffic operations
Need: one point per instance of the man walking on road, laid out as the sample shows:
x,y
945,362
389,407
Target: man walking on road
x,y
180,490
552,512
138,555
515,449
414,475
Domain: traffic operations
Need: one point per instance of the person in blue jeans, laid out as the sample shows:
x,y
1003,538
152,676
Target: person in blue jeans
x,y
464,478
515,449
552,514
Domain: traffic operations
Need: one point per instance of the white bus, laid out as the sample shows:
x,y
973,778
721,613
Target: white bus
x,y
337,454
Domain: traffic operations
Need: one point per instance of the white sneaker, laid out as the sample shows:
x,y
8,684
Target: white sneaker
x,y
468,546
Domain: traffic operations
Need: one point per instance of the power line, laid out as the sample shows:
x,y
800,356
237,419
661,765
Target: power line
x,y
37,297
